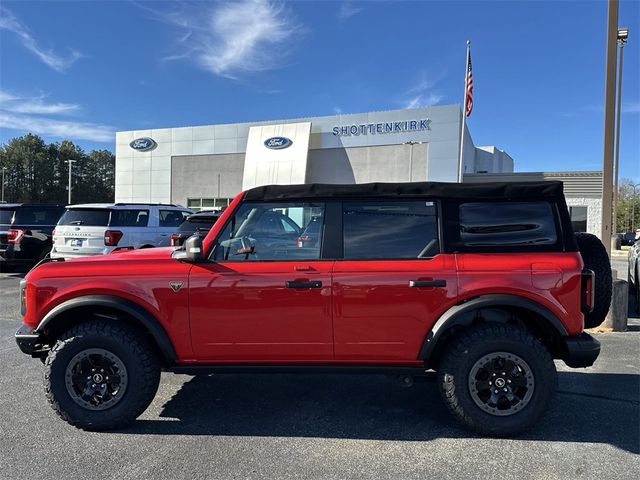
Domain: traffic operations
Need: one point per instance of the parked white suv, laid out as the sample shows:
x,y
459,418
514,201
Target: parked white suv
x,y
100,228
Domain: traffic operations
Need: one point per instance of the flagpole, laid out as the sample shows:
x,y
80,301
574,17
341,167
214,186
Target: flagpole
x,y
464,115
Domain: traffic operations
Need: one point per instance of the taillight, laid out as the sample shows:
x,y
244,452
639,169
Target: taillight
x,y
173,240
112,237
302,239
53,233
588,292
15,235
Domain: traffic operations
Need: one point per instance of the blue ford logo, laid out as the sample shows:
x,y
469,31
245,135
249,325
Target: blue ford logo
x,y
277,143
143,144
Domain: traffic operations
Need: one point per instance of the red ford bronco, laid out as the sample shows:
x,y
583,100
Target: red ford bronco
x,y
486,284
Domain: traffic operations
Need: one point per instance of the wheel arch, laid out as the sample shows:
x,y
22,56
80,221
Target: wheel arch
x,y
536,318
64,316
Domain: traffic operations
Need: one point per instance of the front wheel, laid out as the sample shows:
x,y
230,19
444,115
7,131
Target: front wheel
x,y
100,375
497,379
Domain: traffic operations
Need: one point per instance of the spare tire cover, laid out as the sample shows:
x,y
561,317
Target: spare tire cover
x,y
595,258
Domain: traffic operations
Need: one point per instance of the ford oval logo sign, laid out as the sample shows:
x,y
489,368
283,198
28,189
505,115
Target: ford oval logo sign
x,y
277,143
143,144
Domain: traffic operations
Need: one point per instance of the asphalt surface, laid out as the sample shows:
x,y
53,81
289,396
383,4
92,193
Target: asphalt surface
x,y
320,427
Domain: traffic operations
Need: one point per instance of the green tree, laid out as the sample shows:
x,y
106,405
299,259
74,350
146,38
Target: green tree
x,y
37,172
628,206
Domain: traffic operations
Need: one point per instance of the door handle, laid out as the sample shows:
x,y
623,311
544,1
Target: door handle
x,y
427,283
315,284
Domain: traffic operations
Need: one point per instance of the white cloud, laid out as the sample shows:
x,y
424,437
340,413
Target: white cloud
x,y
24,113
337,110
234,38
423,100
348,10
35,105
631,107
424,92
57,62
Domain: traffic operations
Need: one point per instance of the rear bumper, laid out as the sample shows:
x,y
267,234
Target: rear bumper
x,y
30,342
580,351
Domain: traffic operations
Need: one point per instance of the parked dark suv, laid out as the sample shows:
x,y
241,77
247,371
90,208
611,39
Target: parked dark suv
x,y
485,284
200,222
25,232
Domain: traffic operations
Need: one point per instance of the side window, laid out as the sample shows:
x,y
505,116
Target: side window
x,y
390,229
271,231
171,218
578,218
129,218
507,224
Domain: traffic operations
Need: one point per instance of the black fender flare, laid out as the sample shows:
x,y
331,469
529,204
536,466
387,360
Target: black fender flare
x,y
132,309
455,317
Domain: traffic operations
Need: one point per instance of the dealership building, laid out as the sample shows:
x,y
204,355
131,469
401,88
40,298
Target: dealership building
x,y
204,166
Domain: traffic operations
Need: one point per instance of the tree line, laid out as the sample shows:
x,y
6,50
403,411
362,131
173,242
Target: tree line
x,y
38,172
628,206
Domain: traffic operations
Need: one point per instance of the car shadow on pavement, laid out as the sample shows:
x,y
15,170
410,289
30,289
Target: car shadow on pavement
x,y
590,407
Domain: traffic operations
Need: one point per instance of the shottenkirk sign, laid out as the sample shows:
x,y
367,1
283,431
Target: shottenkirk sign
x,y
382,128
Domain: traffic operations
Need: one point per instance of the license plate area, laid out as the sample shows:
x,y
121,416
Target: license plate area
x,y
76,242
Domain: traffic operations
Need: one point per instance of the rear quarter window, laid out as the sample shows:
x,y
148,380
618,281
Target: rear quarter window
x,y
6,216
507,224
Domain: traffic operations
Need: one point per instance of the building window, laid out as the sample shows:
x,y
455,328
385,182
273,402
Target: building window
x,y
198,204
578,218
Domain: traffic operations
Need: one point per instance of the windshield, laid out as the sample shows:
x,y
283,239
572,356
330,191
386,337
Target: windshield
x,y
95,217
5,216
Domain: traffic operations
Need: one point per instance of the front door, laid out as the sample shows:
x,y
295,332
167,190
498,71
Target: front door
x,y
265,296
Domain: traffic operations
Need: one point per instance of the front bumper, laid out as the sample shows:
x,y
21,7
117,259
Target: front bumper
x,y
30,342
580,351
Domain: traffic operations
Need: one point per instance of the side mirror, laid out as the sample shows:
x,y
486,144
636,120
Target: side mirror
x,y
191,251
193,248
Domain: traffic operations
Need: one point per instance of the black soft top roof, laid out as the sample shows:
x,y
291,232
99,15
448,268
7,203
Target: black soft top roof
x,y
464,191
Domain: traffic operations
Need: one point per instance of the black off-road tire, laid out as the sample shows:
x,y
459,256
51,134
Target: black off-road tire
x,y
475,343
135,352
595,258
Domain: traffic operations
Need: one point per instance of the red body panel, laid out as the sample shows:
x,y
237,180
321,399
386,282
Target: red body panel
x,y
141,276
550,279
243,312
378,317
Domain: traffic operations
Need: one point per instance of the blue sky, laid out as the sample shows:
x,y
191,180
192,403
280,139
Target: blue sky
x,y
82,70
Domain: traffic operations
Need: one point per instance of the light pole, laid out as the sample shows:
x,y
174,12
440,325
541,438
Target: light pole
x,y
609,114
3,169
623,34
411,143
70,162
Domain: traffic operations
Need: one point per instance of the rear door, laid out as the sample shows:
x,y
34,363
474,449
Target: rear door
x,y
393,283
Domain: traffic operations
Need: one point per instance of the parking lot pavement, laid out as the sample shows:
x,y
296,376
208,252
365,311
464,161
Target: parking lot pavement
x,y
317,427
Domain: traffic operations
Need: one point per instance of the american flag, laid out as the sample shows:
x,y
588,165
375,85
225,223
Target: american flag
x,y
468,100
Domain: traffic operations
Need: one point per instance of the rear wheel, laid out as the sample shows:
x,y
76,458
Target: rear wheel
x,y
595,258
497,379
101,376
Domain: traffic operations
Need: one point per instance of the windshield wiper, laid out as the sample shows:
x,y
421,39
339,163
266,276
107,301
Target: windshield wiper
x,y
76,222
